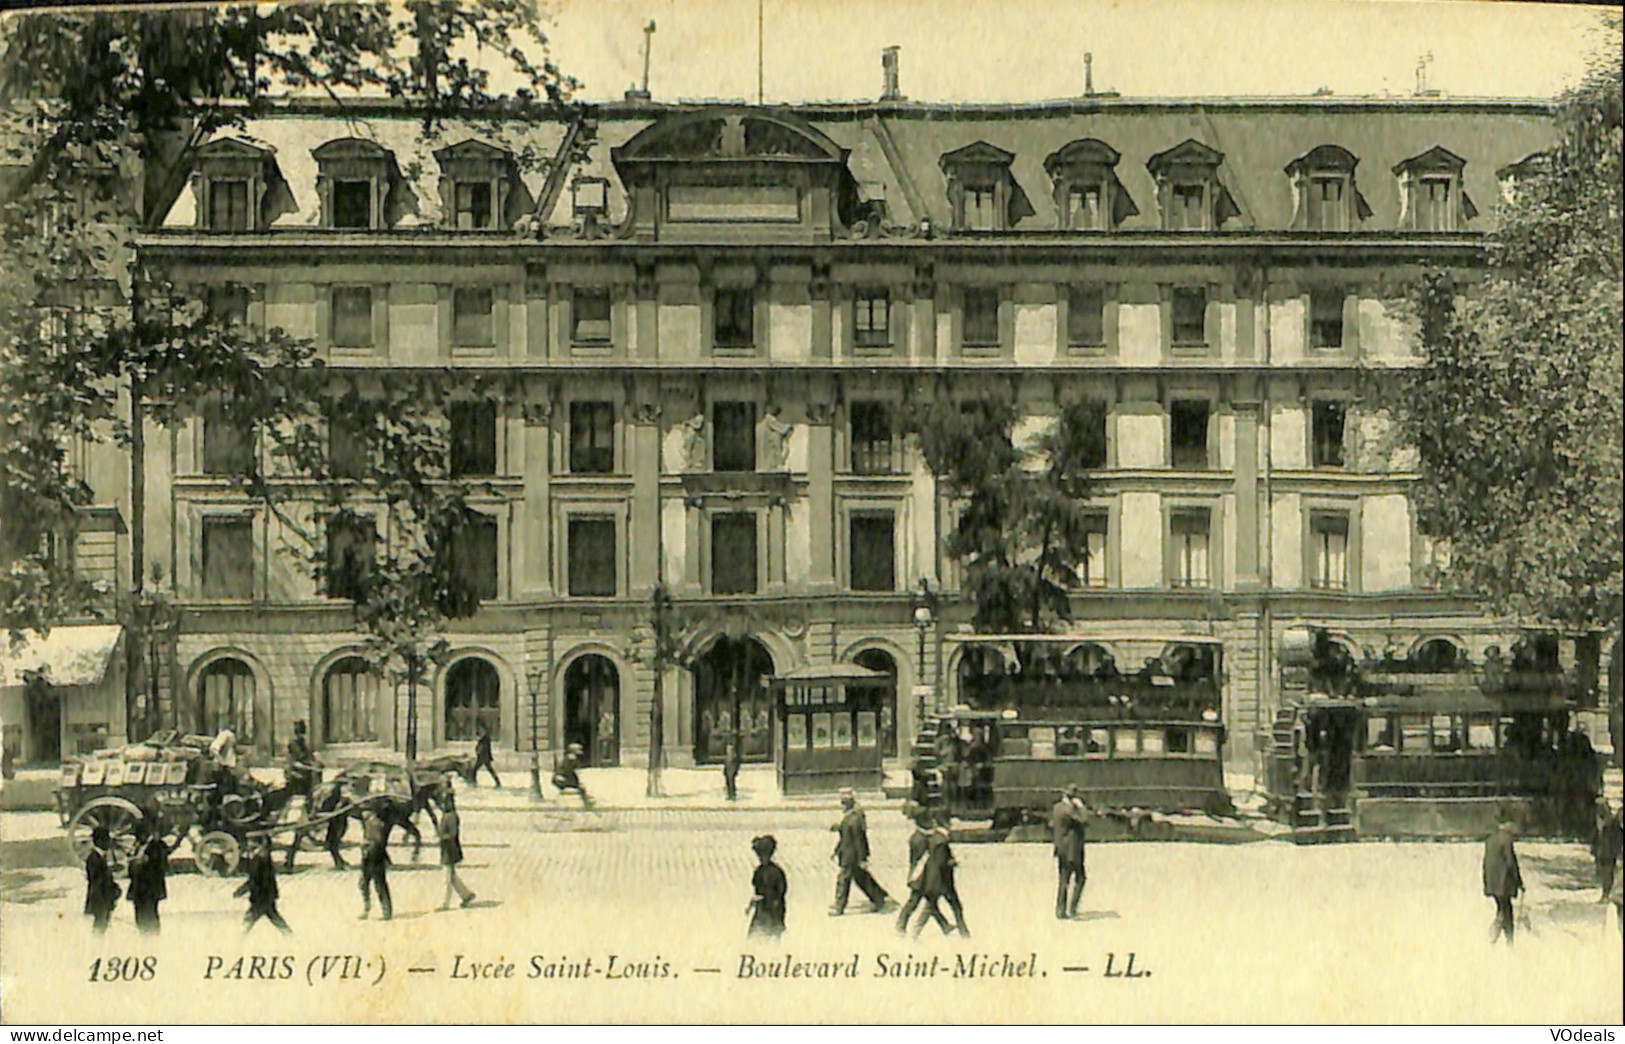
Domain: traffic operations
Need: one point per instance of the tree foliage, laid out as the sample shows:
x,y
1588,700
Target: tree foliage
x,y
1516,412
1022,515
102,112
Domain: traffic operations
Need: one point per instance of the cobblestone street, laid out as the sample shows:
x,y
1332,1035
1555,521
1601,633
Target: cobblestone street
x,y
1261,931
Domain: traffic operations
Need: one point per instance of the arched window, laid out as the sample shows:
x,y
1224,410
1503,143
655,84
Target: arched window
x,y
878,660
473,698
349,702
1436,656
592,689
225,696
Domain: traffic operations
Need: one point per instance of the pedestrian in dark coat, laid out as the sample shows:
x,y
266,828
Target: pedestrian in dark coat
x,y
919,843
261,888
101,891
919,788
482,758
375,866
302,773
1068,823
1502,881
730,770
149,871
771,890
567,777
1608,847
852,856
937,883
451,850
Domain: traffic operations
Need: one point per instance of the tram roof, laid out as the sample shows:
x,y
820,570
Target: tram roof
x,y
830,672
1100,639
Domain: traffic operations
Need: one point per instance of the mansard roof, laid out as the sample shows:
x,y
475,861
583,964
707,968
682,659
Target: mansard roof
x,y
1324,157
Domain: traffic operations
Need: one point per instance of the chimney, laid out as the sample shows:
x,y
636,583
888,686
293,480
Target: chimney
x,y
1088,73
888,62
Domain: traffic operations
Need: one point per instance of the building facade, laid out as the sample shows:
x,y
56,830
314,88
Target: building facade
x,y
686,359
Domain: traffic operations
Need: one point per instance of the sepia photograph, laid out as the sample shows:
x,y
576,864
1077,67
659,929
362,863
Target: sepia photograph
x,y
762,512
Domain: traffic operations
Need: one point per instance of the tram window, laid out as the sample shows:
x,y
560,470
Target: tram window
x,y
797,732
842,739
820,731
1179,741
1481,733
1446,733
1207,743
1151,741
1045,745
1099,741
1379,734
1414,734
1123,742
867,731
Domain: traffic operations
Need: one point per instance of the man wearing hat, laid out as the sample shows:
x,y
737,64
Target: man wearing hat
x,y
1502,881
260,887
302,773
101,891
483,759
567,777
852,856
1068,822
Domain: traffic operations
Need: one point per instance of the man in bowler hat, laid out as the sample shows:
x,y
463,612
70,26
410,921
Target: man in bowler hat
x,y
852,856
1068,821
1502,881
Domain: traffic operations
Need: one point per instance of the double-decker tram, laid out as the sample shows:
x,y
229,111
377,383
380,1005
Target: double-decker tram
x,y
1135,722
1427,745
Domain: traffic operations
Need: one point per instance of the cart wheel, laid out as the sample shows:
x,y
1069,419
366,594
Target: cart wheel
x,y
120,817
216,854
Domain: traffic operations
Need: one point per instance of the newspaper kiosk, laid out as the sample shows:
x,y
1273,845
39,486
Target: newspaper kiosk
x,y
829,715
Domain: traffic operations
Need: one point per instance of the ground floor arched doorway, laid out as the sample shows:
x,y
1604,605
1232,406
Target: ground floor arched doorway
x,y
732,701
882,701
592,709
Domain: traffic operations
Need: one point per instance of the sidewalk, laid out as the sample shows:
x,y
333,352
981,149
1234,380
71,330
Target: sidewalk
x,y
625,789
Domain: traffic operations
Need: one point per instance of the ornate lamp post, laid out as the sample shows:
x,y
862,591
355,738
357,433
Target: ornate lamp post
x,y
924,602
535,677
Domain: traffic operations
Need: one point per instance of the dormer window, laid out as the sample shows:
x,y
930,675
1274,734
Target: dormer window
x,y
1189,191
238,186
1432,194
358,183
479,186
1088,196
1535,165
1323,188
982,192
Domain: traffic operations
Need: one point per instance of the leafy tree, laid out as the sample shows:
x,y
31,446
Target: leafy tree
x,y
1021,528
1516,410
100,115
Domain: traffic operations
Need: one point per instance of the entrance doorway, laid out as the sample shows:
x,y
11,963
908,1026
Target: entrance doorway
x,y
592,709
883,700
731,701
44,722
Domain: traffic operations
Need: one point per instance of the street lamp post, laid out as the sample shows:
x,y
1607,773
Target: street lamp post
x,y
535,676
923,619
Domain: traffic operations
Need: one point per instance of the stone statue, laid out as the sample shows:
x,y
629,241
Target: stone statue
x,y
694,443
775,441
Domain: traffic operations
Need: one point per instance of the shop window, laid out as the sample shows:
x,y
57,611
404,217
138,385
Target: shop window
x,y
733,446
871,437
1328,420
1086,317
473,438
589,317
228,558
735,318
981,317
871,319
1189,319
1188,434
473,699
1326,319
352,317
733,553
872,551
350,702
1188,547
351,553
592,438
472,324
1329,535
592,557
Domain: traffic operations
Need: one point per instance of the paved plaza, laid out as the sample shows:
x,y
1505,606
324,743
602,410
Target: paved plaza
x,y
1253,932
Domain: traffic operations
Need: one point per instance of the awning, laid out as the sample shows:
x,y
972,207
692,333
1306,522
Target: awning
x,y
76,655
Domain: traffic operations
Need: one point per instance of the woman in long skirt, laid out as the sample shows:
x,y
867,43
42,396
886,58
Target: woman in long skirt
x,y
771,887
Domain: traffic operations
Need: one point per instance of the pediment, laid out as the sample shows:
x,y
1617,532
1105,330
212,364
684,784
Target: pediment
x,y
1083,152
740,134
1188,153
235,148
977,153
350,149
1324,157
472,149
1434,160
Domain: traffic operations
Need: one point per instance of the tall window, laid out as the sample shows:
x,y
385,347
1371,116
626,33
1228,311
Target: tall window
x,y
1330,551
352,317
1326,319
472,323
1092,416
226,699
592,438
1433,211
228,558
981,317
1328,418
1327,210
1085,211
735,318
473,698
592,557
872,551
733,436
871,437
733,553
589,316
474,556
1086,317
473,438
1189,327
228,206
1189,212
352,204
228,444
351,545
1187,429
350,702
348,450
871,319
1188,548
474,204
1092,570
981,209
